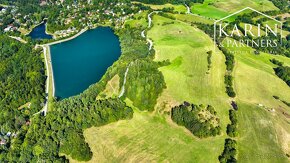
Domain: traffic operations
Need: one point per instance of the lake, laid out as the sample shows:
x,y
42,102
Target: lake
x,y
38,32
83,61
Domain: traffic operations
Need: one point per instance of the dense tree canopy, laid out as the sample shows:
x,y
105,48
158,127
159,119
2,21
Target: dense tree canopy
x,y
22,84
199,120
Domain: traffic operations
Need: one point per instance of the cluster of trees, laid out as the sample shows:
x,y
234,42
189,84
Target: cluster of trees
x,y
229,153
144,83
209,54
283,72
22,81
191,117
276,62
230,148
232,127
230,63
281,4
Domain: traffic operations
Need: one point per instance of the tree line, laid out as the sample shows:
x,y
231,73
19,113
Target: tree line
x,y
230,148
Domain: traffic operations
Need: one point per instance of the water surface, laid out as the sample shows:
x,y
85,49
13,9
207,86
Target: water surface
x,y
80,62
38,32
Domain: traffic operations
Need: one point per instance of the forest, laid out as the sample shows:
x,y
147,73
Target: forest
x,y
200,120
22,84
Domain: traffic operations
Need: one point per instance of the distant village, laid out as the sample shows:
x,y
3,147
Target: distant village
x,y
70,20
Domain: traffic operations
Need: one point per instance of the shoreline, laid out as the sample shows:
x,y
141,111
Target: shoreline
x,y
67,39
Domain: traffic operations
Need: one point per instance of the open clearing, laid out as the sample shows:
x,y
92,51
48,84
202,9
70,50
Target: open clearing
x,y
147,138
153,136
186,77
220,8
262,129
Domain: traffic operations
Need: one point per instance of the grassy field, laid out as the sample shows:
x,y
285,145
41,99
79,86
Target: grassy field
x,y
112,88
235,5
150,138
192,18
262,124
139,21
153,136
259,139
177,8
209,11
220,8
186,47
272,23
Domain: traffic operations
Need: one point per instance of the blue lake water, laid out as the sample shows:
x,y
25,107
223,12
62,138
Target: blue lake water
x,y
38,32
80,62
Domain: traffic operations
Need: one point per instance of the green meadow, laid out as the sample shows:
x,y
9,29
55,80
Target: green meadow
x,y
263,119
150,138
235,5
139,20
153,137
218,9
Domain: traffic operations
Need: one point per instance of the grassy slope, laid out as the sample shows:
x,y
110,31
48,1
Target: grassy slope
x,y
260,129
177,8
220,8
186,78
152,136
192,18
140,20
148,138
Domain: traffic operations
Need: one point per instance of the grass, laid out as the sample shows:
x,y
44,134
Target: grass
x,y
147,138
271,23
235,5
177,8
186,77
218,9
258,137
261,128
153,137
139,21
209,11
112,88
254,30
192,18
